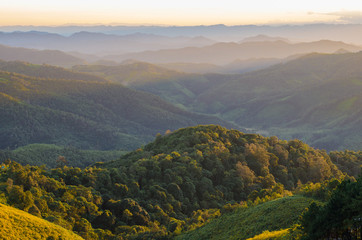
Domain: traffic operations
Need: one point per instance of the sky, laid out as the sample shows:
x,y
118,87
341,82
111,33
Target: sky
x,y
181,12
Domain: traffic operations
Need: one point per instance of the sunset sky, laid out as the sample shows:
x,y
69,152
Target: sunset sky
x,y
185,12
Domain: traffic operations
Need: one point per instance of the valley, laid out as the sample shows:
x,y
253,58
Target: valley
x,y
181,132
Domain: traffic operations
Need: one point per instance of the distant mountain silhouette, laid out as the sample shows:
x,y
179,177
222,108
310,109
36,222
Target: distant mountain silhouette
x,y
99,43
309,32
264,38
51,57
237,66
224,53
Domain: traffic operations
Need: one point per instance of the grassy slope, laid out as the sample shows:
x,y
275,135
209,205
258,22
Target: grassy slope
x,y
246,223
17,224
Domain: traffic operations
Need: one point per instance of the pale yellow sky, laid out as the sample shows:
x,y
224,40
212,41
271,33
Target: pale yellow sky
x,y
170,12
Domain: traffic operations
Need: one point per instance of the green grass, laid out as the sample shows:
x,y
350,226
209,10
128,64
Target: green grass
x,y
17,224
246,223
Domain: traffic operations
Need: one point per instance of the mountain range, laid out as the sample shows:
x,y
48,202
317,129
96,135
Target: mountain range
x,y
98,43
224,52
314,97
220,32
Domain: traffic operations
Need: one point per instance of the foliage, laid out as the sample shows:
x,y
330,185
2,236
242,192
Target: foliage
x,y
348,161
177,183
339,217
321,190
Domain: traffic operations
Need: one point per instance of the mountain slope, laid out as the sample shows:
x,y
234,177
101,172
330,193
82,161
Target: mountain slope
x,y
85,114
234,67
50,155
52,57
316,98
176,87
46,71
17,224
246,223
136,73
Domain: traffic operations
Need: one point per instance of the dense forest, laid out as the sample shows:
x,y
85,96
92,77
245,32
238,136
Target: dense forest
x,y
178,182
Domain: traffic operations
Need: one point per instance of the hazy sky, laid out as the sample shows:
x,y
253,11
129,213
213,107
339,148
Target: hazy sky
x,y
180,12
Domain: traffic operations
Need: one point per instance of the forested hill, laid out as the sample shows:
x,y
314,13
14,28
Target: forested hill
x,y
169,185
83,114
260,160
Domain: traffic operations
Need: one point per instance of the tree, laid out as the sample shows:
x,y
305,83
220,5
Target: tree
x,y
61,161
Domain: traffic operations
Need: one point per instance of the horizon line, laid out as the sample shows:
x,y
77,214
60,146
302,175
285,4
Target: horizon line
x,y
174,25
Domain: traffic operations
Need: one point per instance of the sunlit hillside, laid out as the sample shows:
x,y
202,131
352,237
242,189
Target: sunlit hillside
x,y
276,217
17,224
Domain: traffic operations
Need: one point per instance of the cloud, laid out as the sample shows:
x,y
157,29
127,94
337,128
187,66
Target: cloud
x,y
347,16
